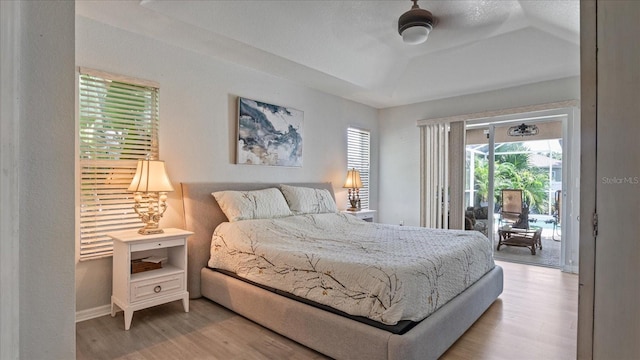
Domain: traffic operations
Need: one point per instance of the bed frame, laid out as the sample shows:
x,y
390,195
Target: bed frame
x,y
328,333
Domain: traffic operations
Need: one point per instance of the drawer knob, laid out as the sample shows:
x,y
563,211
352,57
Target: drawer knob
x,y
157,289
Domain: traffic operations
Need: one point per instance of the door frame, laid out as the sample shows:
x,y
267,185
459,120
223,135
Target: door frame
x,y
569,114
588,175
9,185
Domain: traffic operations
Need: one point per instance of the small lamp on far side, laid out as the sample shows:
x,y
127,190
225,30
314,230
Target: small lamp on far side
x,y
353,183
150,185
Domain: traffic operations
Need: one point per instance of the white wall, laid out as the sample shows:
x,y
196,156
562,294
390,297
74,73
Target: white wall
x,y
198,121
46,177
399,151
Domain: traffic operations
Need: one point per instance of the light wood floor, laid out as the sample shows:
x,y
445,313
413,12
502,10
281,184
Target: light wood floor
x,y
534,318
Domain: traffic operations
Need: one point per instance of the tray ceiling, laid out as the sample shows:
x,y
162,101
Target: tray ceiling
x,y
352,48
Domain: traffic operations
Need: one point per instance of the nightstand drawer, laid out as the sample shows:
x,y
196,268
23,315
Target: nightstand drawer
x,y
142,290
363,216
156,244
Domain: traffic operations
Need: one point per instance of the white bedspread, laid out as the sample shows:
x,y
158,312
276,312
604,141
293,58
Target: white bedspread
x,y
384,272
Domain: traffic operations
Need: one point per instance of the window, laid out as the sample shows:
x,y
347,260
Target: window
x,y
358,146
118,124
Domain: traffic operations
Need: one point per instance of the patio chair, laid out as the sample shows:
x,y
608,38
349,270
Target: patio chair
x,y
512,210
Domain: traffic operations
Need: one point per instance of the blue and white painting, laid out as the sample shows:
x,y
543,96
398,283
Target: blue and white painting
x,y
269,134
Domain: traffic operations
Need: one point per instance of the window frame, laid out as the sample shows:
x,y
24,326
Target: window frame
x,y
131,124
359,157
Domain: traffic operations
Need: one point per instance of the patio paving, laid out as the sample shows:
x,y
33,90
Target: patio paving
x,y
548,256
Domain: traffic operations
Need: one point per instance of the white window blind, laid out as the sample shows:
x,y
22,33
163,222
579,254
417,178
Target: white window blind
x,y
118,124
358,157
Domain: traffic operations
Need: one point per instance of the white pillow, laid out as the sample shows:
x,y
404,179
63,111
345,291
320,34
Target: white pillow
x,y
303,200
257,204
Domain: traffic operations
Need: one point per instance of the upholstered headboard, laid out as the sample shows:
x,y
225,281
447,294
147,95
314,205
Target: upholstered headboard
x,y
202,215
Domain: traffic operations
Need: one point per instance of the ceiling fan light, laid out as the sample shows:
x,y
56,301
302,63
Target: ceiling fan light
x,y
415,25
415,35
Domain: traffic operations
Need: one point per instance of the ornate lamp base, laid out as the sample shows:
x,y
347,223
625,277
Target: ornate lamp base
x,y
151,227
146,231
151,213
354,203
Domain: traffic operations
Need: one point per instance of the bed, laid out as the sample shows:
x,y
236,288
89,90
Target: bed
x,y
330,333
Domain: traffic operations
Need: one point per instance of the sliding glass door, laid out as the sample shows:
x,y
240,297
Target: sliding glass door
x,y
513,179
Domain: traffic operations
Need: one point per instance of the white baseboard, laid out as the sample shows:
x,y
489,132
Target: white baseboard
x,y
93,313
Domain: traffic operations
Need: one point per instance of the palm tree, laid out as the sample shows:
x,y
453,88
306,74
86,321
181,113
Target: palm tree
x,y
513,153
512,171
481,180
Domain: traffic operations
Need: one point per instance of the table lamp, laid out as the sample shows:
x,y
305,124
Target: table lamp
x,y
353,183
150,185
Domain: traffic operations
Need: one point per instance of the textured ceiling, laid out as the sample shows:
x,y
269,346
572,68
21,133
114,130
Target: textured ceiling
x,y
352,48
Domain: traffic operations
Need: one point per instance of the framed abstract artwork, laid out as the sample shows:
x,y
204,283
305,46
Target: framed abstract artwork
x,y
269,134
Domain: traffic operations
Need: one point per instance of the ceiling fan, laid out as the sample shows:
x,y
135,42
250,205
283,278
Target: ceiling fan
x,y
523,130
415,25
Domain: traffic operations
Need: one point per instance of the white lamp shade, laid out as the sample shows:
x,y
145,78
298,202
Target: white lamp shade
x,y
415,35
353,180
150,176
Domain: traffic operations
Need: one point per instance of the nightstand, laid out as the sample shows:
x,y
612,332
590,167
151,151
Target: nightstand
x,y
140,290
364,214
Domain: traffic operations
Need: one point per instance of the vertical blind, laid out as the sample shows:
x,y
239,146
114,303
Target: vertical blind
x,y
457,159
358,157
434,204
118,124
